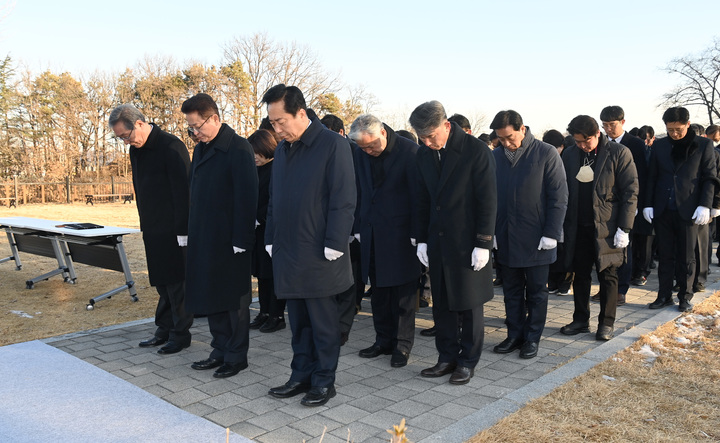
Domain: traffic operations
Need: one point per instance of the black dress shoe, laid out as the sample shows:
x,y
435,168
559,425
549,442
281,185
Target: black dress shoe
x,y
438,370
529,349
289,389
273,324
685,306
399,359
318,396
661,303
461,375
508,345
155,341
259,320
621,300
595,298
604,333
429,332
639,281
699,287
373,351
229,369
209,363
574,328
497,282
172,347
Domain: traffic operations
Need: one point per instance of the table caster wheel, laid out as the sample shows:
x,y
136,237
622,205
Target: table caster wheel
x,y
89,307
29,285
134,298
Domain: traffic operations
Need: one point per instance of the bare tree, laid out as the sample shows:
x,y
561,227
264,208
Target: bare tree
x,y
699,81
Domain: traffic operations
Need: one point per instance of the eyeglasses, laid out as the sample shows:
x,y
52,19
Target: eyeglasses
x,y
128,136
195,130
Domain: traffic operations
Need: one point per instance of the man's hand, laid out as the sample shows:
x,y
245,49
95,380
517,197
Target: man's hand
x,y
422,254
547,243
649,214
332,254
622,239
268,248
701,215
182,240
237,250
480,258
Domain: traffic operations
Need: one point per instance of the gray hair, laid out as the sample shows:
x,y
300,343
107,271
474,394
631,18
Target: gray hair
x,y
365,124
126,114
427,117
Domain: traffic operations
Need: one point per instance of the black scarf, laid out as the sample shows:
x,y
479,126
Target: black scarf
x,y
683,148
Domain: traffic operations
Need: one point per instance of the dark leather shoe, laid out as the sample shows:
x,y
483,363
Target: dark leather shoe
x,y
700,287
438,370
529,349
155,341
318,396
574,328
461,375
639,281
289,389
273,324
209,363
661,303
172,347
259,320
497,282
604,333
429,332
399,358
595,298
508,345
685,306
229,369
621,299
373,351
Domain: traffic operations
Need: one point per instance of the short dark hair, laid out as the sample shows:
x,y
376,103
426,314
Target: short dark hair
x,y
493,135
554,137
266,125
507,118
677,114
333,123
712,129
292,97
569,141
699,130
634,131
263,143
612,113
461,120
407,134
484,137
201,103
427,117
649,131
583,125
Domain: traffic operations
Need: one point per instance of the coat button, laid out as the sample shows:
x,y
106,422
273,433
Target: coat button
x,y
437,208
441,233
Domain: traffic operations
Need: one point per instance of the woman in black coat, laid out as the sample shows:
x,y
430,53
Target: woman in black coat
x,y
272,311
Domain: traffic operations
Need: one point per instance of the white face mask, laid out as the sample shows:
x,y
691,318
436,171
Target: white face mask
x,y
585,174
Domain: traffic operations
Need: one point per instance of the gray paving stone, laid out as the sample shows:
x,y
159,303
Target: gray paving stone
x,y
282,435
272,420
185,397
345,413
228,417
179,384
371,403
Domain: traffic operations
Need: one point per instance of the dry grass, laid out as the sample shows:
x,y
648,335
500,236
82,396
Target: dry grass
x,y
59,308
633,396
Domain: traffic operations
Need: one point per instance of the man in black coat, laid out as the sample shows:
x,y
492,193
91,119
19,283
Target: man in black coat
x,y
223,205
532,200
386,174
680,190
160,165
456,218
309,222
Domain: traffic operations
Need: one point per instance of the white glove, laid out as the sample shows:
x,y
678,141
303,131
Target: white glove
x,y
622,239
648,213
636,212
714,212
480,257
494,243
237,250
701,215
547,243
268,248
182,240
332,254
257,223
357,236
422,254
413,242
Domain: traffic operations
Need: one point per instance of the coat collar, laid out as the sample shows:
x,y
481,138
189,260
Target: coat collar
x,y
453,150
221,142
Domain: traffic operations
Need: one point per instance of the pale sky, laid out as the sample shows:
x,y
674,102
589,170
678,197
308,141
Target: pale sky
x,y
548,60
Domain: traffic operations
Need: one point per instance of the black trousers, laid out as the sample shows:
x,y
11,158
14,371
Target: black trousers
x,y
315,327
231,333
702,255
172,320
526,301
269,303
677,239
625,270
346,309
356,265
583,262
641,254
393,311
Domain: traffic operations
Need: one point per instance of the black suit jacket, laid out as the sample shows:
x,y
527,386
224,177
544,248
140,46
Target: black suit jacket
x,y
637,149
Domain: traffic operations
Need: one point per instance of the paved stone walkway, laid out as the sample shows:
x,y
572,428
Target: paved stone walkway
x,y
372,396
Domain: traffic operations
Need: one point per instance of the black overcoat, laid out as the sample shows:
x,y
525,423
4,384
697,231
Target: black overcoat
x,y
457,210
532,200
262,263
385,214
223,204
615,191
637,149
312,203
160,179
